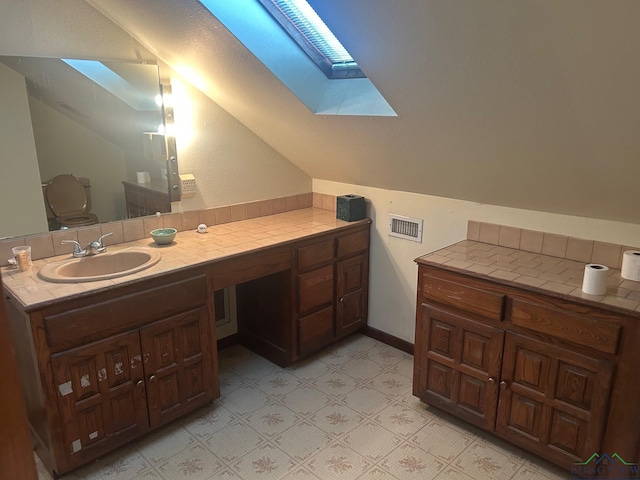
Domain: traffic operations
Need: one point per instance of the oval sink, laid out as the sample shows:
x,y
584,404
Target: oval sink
x,y
100,267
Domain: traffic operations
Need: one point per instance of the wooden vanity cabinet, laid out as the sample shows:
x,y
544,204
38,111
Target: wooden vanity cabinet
x,y
102,370
331,288
536,370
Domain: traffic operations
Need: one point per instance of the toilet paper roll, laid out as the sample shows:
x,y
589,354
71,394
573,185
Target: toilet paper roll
x,y
631,265
595,279
143,177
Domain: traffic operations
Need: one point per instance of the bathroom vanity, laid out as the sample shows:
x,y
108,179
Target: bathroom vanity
x,y
551,372
105,362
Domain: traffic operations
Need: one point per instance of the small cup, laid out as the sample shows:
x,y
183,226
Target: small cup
x,y
22,256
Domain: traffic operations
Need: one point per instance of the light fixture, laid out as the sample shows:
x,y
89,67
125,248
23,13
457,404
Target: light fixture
x,y
170,139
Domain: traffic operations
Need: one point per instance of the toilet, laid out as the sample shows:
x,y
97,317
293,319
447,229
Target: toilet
x,y
67,198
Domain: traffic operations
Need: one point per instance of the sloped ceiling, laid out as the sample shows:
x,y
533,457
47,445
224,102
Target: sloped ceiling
x,y
523,103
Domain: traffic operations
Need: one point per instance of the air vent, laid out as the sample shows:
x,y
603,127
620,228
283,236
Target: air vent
x,y
405,227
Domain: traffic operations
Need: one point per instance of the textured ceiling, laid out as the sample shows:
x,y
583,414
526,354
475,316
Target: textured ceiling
x,y
524,103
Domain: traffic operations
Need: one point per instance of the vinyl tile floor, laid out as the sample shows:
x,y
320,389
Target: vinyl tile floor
x,y
346,413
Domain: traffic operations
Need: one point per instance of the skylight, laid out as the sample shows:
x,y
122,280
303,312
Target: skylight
x,y
275,47
304,25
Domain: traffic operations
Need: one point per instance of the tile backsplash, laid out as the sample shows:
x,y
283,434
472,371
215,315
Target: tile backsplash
x,y
571,248
48,244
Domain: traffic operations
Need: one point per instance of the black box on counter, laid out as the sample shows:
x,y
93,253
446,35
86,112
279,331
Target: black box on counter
x,y
350,208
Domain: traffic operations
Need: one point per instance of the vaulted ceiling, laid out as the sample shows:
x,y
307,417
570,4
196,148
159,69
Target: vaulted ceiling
x,y
523,103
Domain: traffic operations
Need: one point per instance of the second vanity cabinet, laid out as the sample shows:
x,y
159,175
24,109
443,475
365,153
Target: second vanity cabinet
x,y
106,369
331,278
536,370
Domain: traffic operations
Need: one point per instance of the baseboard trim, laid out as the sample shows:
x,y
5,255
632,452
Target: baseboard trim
x,y
389,339
227,341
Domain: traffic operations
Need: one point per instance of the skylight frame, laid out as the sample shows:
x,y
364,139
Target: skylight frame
x,y
332,70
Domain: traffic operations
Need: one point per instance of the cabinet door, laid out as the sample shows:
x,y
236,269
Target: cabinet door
x,y
351,292
178,364
101,395
552,401
457,365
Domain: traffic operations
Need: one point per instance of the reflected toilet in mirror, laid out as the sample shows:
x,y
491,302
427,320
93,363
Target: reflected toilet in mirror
x,y
68,202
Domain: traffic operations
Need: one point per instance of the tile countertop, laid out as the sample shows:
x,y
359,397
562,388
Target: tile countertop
x,y
552,275
189,249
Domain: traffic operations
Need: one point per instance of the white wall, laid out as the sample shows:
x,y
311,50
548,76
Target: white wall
x,y
230,163
19,181
393,273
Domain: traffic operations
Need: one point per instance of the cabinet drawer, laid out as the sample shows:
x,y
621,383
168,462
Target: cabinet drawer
x,y
315,331
315,254
315,289
125,311
464,297
573,327
354,243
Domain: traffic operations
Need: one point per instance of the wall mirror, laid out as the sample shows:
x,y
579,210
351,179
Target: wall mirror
x,y
103,123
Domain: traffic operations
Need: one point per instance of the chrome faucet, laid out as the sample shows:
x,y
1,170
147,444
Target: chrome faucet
x,y
93,248
98,247
77,249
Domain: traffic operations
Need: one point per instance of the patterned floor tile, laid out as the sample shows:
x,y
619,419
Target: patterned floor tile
x,y
148,475
441,441
245,400
335,384
451,473
116,466
387,356
338,462
302,440
484,463
377,473
336,356
391,384
165,443
300,473
409,462
308,370
401,419
359,343
371,441
336,419
208,420
230,381
362,369
536,466
367,400
194,463
234,441
272,419
265,462
278,383
254,368
404,368
305,400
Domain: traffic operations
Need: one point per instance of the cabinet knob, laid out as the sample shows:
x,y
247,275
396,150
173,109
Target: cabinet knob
x,y
504,385
342,300
152,378
140,383
491,381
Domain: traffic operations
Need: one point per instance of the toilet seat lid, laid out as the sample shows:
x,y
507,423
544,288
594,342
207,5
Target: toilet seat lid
x,y
66,195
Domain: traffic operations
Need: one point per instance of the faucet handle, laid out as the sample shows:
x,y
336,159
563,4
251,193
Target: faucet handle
x,y
98,245
78,251
103,236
